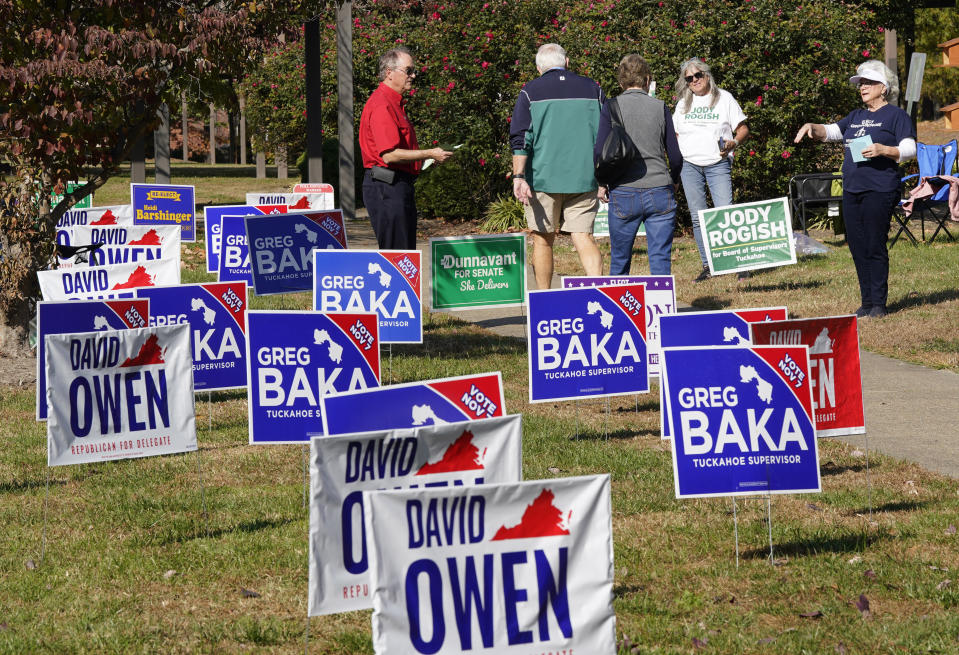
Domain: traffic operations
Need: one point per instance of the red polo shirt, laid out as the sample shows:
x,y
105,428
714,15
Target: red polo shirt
x,y
384,127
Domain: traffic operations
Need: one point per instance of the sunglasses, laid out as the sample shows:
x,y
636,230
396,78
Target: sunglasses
x,y
409,70
698,75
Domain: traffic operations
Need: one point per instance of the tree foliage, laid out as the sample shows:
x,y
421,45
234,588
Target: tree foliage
x,y
80,83
786,63
940,85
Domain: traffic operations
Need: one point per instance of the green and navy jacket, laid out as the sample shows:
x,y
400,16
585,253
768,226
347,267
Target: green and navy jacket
x,y
554,124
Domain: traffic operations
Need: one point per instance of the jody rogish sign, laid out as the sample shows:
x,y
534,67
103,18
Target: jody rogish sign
x,y
119,394
748,236
342,467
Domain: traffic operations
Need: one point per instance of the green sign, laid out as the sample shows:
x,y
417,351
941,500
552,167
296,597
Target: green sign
x,y
601,224
748,236
87,202
477,272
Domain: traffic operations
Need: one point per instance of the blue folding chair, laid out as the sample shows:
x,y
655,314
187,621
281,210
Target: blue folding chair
x,y
934,160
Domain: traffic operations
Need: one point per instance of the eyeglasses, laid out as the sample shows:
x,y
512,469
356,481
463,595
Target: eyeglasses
x,y
698,75
409,70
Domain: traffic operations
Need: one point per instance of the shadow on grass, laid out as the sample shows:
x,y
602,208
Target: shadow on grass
x,y
598,435
787,285
709,302
916,299
848,543
830,468
463,346
18,486
648,404
893,506
198,531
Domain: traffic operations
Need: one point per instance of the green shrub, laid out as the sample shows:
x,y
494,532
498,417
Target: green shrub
x,y
505,214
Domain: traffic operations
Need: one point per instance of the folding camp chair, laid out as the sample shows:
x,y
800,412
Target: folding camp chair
x,y
933,160
811,190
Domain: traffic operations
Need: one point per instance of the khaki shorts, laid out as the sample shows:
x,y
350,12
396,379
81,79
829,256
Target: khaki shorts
x,y
569,212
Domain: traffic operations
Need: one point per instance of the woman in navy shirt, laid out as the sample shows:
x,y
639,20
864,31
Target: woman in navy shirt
x,y
877,137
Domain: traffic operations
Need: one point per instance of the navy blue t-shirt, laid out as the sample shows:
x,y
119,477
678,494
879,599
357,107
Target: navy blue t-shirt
x,y
887,125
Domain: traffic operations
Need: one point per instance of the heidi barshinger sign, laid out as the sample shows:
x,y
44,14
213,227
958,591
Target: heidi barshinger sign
x,y
412,404
281,248
834,374
477,272
587,342
660,299
386,282
294,359
342,467
216,314
71,316
212,219
165,204
119,394
742,421
524,567
234,251
748,236
717,328
105,282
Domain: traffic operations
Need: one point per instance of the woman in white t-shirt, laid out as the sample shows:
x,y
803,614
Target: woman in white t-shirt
x,y
709,125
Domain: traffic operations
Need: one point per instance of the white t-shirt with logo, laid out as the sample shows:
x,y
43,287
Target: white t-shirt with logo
x,y
699,129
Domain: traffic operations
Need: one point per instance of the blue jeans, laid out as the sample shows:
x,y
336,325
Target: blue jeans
x,y
628,208
695,178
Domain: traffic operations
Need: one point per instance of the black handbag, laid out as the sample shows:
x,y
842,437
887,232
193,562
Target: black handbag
x,y
618,151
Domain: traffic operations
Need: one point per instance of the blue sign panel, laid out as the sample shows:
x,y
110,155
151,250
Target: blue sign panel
x,y
212,218
281,248
294,359
742,420
72,316
216,313
430,402
719,328
587,342
386,282
165,204
234,252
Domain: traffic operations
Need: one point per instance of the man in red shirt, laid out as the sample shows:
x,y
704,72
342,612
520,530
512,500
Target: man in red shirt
x,y
391,156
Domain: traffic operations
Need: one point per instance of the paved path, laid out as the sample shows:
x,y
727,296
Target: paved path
x,y
912,412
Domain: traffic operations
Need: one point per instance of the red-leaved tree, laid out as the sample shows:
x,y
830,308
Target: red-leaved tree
x,y
81,82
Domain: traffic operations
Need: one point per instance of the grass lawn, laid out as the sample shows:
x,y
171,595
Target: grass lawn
x,y
130,564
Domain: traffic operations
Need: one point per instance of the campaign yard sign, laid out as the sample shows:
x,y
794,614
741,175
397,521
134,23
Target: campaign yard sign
x,y
104,282
123,244
69,316
95,216
313,195
281,248
512,568
713,328
119,394
601,224
212,219
834,374
748,236
165,204
412,404
83,203
587,342
294,359
478,272
660,299
342,467
385,282
216,314
742,420
234,251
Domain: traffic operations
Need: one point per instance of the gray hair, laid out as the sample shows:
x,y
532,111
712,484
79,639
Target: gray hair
x,y
684,95
550,55
390,58
891,94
